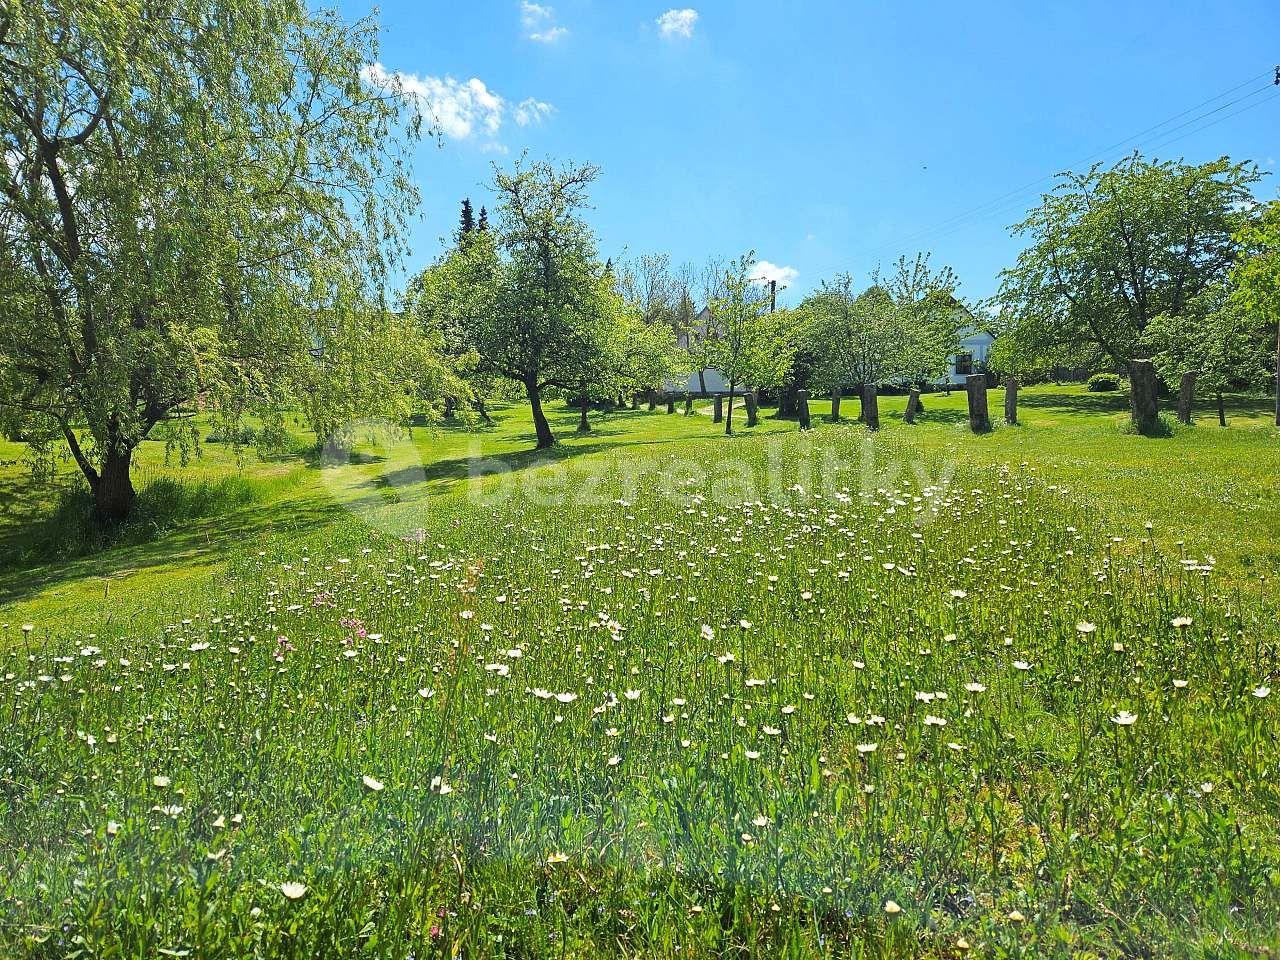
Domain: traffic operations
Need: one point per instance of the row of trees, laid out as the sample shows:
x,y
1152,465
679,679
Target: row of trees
x,y
1170,262
199,213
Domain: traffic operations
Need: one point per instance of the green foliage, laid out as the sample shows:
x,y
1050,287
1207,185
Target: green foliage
x,y
900,329
527,298
187,190
1103,383
747,343
1111,249
1217,338
1256,280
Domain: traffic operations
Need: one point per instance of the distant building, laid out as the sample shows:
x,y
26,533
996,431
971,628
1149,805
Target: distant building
x,y
975,346
707,380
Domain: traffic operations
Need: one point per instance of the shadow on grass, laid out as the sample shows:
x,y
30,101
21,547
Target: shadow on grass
x,y
175,524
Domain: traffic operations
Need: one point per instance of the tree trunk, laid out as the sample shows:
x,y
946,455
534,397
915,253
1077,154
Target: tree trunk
x,y
787,401
540,426
835,404
1144,406
671,403
584,425
483,411
113,493
913,406
802,408
752,408
719,409
702,382
979,415
653,400
688,403
870,406
1011,401
1186,394
1222,412
728,419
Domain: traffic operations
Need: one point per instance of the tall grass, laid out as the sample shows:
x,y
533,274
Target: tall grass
x,y
822,717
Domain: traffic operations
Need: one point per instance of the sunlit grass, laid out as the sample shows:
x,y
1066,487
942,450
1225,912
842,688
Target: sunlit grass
x,y
822,697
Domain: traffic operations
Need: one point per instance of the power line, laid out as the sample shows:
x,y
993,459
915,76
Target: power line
x,y
997,204
1013,206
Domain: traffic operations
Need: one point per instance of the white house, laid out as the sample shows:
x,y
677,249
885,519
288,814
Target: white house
x,y
975,345
708,380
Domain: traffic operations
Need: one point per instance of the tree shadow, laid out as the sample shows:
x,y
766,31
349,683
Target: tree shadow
x,y
1104,403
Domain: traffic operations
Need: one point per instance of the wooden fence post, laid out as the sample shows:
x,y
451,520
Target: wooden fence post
x,y
913,406
719,414
802,408
752,402
671,403
1186,394
1143,403
979,416
1011,401
653,400
835,404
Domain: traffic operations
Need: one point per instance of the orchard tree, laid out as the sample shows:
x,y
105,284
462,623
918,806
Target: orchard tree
x,y
187,200
1256,279
530,294
1218,339
1111,249
749,345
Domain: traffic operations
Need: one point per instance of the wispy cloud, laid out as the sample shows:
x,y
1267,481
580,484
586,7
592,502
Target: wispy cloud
x,y
677,23
529,111
764,271
462,109
539,22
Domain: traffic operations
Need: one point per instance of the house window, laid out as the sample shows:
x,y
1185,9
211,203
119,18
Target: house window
x,y
964,364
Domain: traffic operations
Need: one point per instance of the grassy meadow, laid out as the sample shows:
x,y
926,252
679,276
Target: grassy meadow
x,y
658,693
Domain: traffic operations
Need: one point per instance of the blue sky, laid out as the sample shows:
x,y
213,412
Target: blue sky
x,y
826,135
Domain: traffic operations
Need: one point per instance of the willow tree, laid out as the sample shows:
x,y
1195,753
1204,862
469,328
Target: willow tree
x,y
192,190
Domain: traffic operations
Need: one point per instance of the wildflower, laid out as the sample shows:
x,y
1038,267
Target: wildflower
x,y
614,760
294,891
761,821
725,657
557,857
865,748
631,694
1262,692
1015,916
501,669
1206,787
1181,623
958,595
1179,684
1125,719
375,786
974,687
112,828
932,721
566,697
160,781
708,632
1084,626
891,907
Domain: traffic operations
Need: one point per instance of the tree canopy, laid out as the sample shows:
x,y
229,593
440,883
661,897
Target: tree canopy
x,y
1111,249
191,203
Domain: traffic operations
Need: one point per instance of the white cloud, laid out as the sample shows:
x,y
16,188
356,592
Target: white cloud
x,y
539,21
529,111
462,109
766,271
677,23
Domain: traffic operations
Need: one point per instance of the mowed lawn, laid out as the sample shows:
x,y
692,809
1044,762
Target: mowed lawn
x,y
1215,490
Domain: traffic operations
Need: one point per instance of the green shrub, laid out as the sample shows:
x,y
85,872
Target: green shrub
x,y
1103,382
